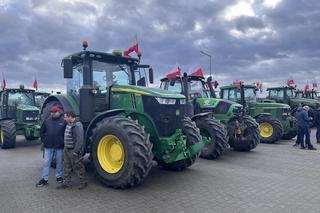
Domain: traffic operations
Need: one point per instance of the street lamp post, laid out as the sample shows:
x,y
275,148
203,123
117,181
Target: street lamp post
x,y
207,54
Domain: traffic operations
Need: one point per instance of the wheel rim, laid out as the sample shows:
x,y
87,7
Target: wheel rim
x,y
111,154
266,130
1,136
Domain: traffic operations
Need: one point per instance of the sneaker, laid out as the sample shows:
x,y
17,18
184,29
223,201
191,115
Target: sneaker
x,y
42,182
82,186
311,148
59,179
302,147
296,144
63,186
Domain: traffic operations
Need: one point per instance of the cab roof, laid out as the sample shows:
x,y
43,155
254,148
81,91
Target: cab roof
x,y
102,56
235,86
281,87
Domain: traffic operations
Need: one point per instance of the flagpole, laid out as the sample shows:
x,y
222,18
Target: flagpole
x,y
207,54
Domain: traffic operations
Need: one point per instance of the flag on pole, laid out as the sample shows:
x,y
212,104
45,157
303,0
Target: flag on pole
x,y
290,82
315,85
172,75
35,84
198,73
306,88
133,48
4,82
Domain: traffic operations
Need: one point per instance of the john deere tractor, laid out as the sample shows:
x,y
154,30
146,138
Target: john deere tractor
x,y
286,95
275,121
126,126
18,116
242,131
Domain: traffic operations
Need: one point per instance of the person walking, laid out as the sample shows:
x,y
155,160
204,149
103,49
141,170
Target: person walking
x,y
304,130
52,135
298,111
73,152
317,122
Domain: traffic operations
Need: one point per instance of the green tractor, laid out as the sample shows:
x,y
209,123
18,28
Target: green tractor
x,y
19,115
126,126
242,130
275,121
40,98
286,95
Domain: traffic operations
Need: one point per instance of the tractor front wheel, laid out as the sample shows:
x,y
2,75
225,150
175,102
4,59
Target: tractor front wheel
x,y
190,130
271,129
248,138
121,152
214,131
7,134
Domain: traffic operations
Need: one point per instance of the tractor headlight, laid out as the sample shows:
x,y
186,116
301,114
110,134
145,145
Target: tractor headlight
x,y
167,101
183,101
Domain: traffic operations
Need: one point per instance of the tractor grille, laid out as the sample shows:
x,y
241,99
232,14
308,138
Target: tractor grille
x,y
30,116
164,116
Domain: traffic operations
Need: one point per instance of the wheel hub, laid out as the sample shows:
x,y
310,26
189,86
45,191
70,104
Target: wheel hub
x,y
266,130
111,154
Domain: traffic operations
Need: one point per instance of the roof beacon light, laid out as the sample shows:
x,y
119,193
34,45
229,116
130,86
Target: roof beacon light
x,y
117,52
84,44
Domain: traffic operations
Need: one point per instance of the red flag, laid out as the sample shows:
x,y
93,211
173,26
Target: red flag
x,y
4,84
35,84
174,74
197,73
134,48
314,85
306,88
236,83
290,82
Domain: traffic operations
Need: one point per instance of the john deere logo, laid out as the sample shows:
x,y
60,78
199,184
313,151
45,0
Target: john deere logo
x,y
206,102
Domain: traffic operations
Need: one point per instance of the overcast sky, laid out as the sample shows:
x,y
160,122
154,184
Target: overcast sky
x,y
251,40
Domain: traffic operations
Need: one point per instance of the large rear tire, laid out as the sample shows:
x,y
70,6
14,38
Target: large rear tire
x,y
121,152
214,131
249,137
190,130
7,134
271,129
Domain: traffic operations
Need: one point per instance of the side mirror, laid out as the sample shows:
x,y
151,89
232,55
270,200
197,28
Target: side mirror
x,y
67,68
151,75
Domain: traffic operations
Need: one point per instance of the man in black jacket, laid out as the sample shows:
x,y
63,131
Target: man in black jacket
x,y
52,133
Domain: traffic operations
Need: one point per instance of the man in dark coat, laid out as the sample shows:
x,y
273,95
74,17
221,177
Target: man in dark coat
x,y
304,130
52,133
317,122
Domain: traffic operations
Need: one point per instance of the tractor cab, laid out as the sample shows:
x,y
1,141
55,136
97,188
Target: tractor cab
x,y
306,94
239,93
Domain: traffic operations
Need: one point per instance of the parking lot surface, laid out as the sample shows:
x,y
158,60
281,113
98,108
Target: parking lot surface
x,y
271,178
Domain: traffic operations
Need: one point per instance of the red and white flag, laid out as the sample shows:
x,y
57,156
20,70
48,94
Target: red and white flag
x,y
35,84
174,74
133,48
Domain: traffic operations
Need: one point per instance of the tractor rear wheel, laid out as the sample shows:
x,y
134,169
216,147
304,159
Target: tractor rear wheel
x,y
214,131
271,129
121,152
190,130
249,137
7,134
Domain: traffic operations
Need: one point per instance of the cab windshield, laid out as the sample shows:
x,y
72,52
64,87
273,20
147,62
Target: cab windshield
x,y
250,94
197,89
290,93
104,75
17,98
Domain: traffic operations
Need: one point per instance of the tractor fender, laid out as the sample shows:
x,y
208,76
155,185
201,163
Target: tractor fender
x,y
62,99
262,115
99,118
201,115
142,118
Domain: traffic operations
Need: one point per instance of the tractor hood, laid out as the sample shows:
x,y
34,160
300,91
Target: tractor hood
x,y
213,102
24,107
305,101
269,105
155,92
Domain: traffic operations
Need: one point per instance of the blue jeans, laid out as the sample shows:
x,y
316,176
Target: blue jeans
x,y
48,155
318,134
304,131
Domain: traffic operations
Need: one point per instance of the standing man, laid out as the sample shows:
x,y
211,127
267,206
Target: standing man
x,y
297,113
73,152
304,130
317,122
52,133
